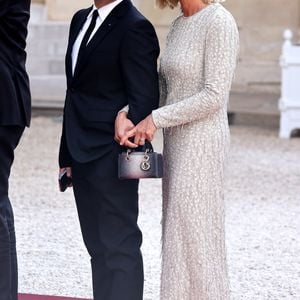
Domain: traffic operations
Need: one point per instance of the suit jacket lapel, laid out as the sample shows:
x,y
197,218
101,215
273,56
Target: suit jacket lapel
x,y
74,31
103,30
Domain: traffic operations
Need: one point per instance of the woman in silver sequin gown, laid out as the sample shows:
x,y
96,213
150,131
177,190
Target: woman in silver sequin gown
x,y
196,73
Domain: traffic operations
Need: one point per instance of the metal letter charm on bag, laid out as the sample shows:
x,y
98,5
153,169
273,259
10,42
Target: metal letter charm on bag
x,y
140,164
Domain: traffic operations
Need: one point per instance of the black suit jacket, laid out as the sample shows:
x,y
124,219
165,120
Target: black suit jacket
x,y
119,68
15,100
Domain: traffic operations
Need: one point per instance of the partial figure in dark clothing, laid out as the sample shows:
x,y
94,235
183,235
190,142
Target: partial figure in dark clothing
x,y
15,113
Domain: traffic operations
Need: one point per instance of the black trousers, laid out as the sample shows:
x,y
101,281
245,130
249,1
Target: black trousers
x,y
108,211
9,139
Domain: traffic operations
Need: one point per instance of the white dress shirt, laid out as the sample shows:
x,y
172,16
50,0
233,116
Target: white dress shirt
x,y
103,14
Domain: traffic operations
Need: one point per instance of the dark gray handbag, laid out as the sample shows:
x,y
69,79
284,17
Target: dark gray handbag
x,y
140,164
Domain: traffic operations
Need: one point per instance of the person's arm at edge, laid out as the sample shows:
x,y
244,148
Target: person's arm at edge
x,y
139,54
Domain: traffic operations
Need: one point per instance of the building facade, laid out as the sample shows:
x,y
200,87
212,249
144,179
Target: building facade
x,y
261,25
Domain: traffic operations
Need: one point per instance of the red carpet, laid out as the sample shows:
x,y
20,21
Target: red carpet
x,y
38,297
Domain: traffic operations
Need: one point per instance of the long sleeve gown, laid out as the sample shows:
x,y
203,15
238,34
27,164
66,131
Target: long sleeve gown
x,y
196,73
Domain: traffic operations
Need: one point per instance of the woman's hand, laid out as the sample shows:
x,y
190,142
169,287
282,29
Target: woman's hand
x,y
145,130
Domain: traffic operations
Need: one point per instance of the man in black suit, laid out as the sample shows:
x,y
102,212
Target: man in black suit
x,y
111,62
15,111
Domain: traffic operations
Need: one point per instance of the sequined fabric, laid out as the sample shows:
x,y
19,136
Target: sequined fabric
x,y
196,75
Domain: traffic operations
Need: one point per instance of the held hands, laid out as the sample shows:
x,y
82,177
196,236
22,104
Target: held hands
x,y
125,130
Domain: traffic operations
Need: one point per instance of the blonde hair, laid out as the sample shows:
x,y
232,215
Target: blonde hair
x,y
174,3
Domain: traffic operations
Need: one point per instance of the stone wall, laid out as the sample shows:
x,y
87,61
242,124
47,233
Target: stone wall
x,y
61,10
261,24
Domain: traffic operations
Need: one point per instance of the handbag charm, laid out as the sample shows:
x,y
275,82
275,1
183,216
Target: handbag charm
x,y
145,164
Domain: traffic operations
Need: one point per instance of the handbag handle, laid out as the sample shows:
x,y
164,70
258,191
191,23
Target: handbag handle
x,y
147,148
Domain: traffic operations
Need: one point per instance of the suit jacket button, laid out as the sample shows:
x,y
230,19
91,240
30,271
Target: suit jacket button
x,y
72,90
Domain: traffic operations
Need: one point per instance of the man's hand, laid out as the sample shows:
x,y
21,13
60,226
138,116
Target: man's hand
x,y
122,126
68,169
145,130
69,173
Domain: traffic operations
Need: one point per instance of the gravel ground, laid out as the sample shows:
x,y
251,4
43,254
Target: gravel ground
x,y
263,224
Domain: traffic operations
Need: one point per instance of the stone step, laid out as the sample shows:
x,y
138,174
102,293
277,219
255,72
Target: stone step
x,y
46,66
254,109
48,91
254,103
46,47
48,30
